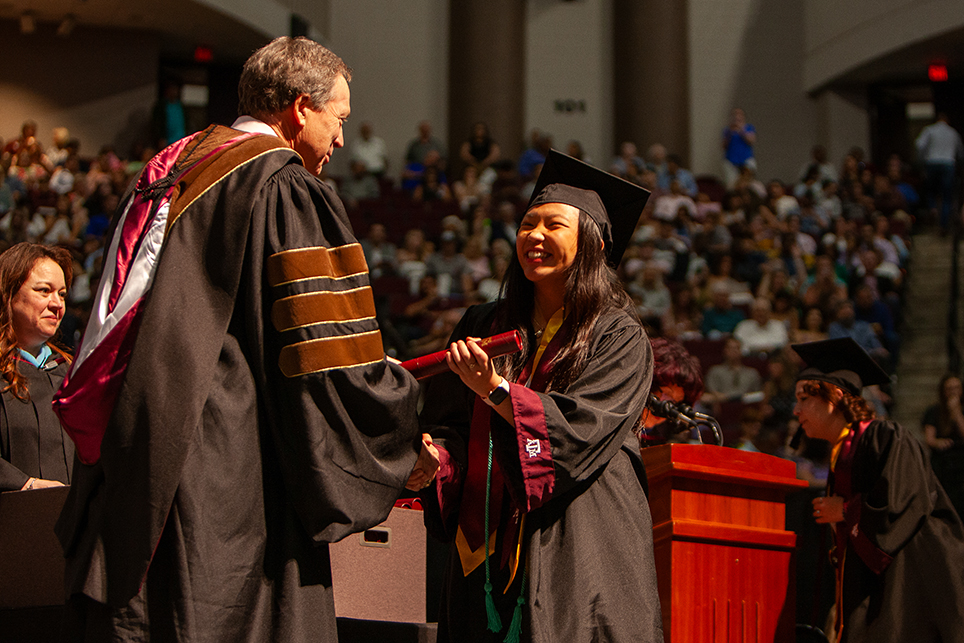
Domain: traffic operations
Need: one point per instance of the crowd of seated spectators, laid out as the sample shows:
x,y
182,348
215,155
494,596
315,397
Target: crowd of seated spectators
x,y
735,275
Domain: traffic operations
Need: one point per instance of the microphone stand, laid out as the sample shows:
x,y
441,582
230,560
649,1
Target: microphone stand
x,y
684,414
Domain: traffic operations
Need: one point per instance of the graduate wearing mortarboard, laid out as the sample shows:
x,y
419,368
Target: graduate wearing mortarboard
x,y
541,487
899,545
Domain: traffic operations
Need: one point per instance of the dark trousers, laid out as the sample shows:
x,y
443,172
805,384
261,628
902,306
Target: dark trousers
x,y
940,186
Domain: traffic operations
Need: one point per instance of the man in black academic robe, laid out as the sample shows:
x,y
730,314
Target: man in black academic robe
x,y
251,416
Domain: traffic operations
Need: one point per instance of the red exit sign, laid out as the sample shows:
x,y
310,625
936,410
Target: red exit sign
x,y
937,72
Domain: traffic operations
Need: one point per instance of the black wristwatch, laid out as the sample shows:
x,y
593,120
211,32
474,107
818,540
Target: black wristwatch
x,y
497,395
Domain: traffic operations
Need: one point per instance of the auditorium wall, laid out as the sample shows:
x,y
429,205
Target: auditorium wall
x,y
842,36
569,88
99,83
400,58
749,54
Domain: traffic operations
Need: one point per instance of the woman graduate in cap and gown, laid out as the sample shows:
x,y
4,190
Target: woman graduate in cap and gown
x,y
899,544
541,489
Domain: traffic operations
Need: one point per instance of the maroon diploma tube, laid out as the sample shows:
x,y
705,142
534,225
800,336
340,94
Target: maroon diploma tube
x,y
428,365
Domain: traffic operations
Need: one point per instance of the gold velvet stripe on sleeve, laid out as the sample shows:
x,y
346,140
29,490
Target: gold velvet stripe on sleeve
x,y
327,353
301,264
325,307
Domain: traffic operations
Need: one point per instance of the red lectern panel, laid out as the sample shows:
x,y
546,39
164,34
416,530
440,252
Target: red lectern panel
x,y
724,560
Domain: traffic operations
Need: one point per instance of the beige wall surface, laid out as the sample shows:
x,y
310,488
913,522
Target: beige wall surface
x,y
749,54
399,54
271,18
99,83
569,63
844,35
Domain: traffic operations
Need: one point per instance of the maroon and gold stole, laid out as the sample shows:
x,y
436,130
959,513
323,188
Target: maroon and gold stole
x,y
470,539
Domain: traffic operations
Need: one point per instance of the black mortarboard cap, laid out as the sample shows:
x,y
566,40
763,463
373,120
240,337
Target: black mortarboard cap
x,y
616,210
841,362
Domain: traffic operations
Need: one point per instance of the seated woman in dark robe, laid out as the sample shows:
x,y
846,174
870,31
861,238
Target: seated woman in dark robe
x,y
541,487
899,544
34,451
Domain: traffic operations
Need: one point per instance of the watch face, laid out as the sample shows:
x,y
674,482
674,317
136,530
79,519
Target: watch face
x,y
498,395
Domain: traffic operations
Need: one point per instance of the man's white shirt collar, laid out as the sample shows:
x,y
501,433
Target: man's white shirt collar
x,y
253,126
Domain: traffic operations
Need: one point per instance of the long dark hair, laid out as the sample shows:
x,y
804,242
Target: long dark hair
x,y
592,289
15,266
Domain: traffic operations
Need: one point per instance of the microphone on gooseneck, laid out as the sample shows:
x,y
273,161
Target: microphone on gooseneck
x,y
684,415
670,410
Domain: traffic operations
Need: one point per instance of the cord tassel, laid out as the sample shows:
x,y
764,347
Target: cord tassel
x,y
492,614
515,627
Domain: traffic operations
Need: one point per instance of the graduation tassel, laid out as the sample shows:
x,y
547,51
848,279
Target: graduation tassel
x,y
515,627
492,614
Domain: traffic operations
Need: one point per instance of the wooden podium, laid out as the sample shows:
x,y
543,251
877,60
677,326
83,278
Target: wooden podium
x,y
724,561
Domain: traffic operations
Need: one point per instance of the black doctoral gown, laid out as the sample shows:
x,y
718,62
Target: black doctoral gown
x,y
572,467
903,576
257,419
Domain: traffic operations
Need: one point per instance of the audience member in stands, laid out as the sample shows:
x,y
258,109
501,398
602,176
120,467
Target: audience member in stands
x,y
477,261
379,251
940,149
534,156
734,209
410,257
683,320
360,185
875,312
469,191
504,223
58,152
897,176
650,294
656,155
26,141
674,171
721,318
761,333
668,205
418,148
413,173
779,202
730,380
370,150
846,324
479,224
824,289
628,164
825,170
449,266
721,272
943,426
779,391
887,198
34,450
829,206
432,187
811,329
482,151
490,287
751,425
419,316
168,121
575,150
738,140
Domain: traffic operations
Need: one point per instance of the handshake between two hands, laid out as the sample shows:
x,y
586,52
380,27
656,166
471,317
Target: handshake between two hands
x,y
425,467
